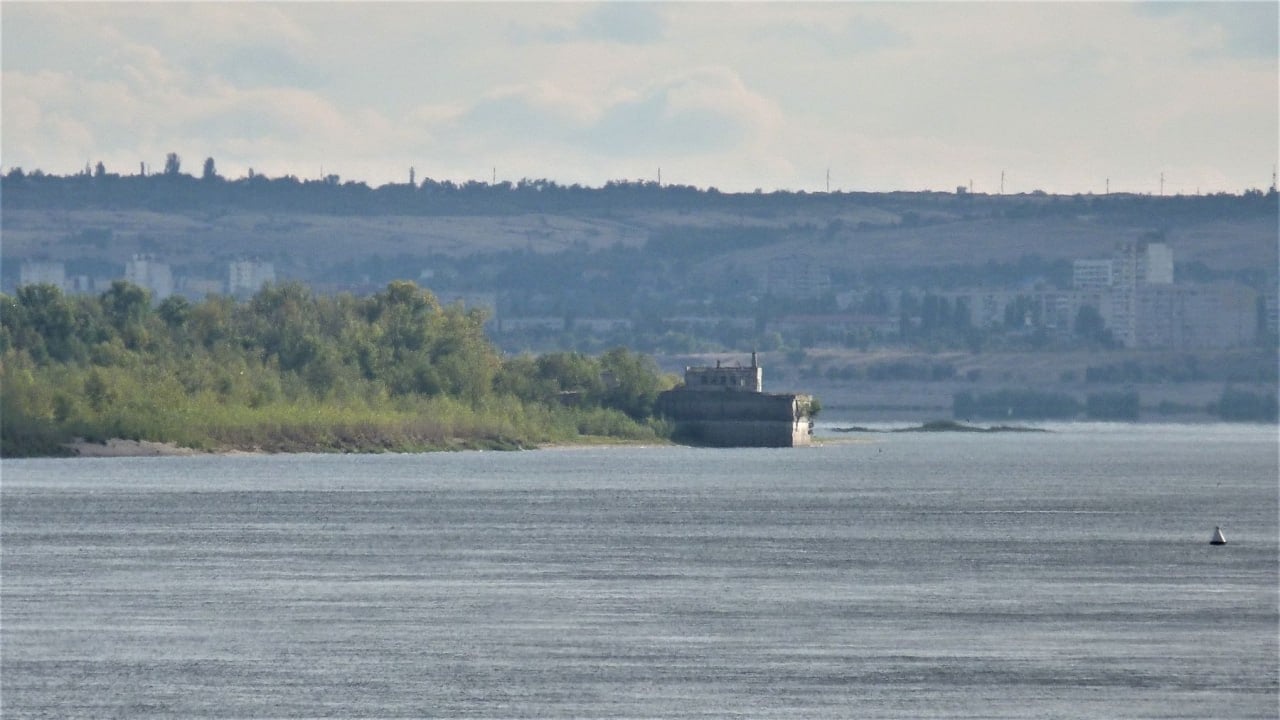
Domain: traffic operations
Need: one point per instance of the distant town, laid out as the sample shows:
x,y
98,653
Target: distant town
x,y
1128,300
674,269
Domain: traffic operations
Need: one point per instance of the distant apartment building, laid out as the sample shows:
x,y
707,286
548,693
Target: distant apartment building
x,y
986,307
148,273
1271,310
1196,316
1055,310
1091,274
1135,293
1135,266
246,277
81,284
43,272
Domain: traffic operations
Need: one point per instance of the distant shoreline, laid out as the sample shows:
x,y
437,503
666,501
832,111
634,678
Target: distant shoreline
x,y
118,447
121,448
942,426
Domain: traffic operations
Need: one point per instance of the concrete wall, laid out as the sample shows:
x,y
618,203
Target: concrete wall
x,y
737,419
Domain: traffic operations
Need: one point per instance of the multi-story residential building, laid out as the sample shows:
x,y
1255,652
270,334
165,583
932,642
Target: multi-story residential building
x,y
1135,265
1197,316
1091,274
146,272
246,277
1271,310
35,272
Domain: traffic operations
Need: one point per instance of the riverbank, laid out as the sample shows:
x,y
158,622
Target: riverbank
x,y
119,447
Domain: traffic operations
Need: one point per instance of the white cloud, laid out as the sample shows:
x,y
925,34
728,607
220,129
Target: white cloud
x,y
733,95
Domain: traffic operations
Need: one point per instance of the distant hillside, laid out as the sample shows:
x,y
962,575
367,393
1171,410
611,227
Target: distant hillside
x,y
326,231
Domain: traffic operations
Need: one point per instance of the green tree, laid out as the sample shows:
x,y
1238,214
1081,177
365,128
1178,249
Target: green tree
x,y
41,320
174,310
1090,327
632,382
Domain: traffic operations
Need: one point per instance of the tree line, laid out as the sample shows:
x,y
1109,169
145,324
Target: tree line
x,y
1234,405
291,370
173,189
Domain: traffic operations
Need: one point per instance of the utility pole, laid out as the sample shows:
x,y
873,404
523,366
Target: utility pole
x,y
828,181
1001,182
1161,184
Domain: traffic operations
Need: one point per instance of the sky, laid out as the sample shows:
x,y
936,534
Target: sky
x,y
1079,97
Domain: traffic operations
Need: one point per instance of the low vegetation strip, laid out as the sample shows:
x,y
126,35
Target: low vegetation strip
x,y
943,426
290,371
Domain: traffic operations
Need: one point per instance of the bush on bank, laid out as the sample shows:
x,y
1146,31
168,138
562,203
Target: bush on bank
x,y
288,370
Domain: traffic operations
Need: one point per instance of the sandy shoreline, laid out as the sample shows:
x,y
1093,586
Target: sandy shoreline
x,y
117,447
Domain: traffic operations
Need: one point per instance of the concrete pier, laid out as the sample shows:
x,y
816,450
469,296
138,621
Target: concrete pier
x,y
726,407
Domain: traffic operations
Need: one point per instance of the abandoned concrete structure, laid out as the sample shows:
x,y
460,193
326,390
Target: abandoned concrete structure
x,y
727,407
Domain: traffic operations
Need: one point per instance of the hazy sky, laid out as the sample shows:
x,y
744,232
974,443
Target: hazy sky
x,y
888,96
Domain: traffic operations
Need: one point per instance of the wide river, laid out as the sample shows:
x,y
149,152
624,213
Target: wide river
x,y
1065,574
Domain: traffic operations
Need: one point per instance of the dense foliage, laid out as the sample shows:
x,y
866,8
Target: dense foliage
x,y
291,370
1243,406
1235,405
174,189
1015,404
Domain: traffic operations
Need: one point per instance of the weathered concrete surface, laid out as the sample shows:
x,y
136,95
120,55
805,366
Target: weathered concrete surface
x,y
738,419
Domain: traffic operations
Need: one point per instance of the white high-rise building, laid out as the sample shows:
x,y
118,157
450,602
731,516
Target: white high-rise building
x,y
1157,264
146,272
1134,266
1091,274
248,276
36,272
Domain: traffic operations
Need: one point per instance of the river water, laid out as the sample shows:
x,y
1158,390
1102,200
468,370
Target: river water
x,y
1065,574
